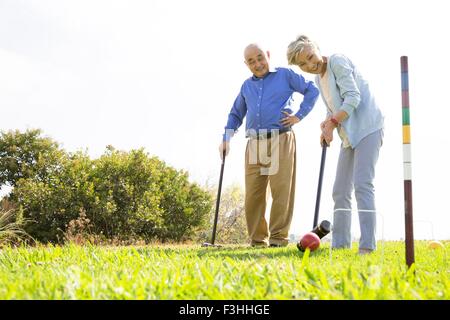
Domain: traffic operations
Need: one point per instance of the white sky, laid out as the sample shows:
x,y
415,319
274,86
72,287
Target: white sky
x,y
163,75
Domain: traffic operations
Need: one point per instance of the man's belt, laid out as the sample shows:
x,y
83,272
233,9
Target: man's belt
x,y
269,133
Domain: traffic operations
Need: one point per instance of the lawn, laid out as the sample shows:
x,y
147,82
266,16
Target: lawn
x,y
232,272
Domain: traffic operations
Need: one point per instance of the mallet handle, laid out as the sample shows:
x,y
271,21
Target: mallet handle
x,y
319,187
219,191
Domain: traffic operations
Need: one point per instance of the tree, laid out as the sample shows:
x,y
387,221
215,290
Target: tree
x,y
27,155
231,225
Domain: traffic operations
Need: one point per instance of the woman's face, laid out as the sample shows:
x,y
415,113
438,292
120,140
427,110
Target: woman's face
x,y
310,60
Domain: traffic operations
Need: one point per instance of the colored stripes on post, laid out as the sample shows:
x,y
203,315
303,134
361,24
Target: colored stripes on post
x,y
409,235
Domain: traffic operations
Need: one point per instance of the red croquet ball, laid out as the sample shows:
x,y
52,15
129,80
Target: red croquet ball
x,y
309,240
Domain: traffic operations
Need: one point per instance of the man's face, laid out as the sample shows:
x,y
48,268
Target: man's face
x,y
257,61
310,60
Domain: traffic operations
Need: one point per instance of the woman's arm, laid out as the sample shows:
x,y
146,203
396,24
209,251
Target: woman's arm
x,y
330,124
343,70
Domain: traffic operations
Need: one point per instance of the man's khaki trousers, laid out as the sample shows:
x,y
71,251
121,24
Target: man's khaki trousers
x,y
270,162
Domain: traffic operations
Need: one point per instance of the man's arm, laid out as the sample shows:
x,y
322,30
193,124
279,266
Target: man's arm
x,y
235,119
307,88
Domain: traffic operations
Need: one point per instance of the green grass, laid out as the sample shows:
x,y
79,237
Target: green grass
x,y
192,272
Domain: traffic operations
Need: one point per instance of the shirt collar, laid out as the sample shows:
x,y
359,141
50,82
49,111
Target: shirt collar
x,y
271,70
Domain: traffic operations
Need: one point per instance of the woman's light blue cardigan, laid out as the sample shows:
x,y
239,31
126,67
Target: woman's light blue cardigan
x,y
350,92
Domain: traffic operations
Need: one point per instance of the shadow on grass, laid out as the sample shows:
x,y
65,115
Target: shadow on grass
x,y
240,252
234,252
246,253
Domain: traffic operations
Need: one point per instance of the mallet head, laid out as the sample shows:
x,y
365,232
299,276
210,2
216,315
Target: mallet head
x,y
322,229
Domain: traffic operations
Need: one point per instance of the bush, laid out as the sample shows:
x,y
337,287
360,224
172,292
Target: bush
x,y
123,195
185,206
50,205
128,194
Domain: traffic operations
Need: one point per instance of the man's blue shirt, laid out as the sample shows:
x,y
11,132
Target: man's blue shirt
x,y
263,100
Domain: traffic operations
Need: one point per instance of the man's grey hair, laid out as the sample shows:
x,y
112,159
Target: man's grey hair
x,y
257,45
297,46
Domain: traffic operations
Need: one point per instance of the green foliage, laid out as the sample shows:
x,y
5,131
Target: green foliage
x,y
141,196
126,186
11,231
50,205
229,273
27,155
121,195
231,225
185,206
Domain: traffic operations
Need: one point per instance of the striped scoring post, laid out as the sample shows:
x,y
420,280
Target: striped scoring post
x,y
409,234
405,120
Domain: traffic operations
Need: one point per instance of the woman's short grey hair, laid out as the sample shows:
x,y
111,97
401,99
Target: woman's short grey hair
x,y
297,46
